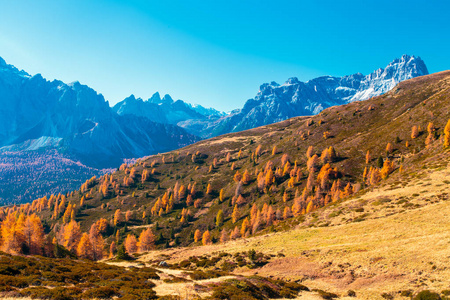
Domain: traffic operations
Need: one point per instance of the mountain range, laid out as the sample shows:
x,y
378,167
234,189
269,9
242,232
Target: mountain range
x,y
77,122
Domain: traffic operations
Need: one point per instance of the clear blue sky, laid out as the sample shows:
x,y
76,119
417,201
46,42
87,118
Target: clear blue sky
x,y
216,53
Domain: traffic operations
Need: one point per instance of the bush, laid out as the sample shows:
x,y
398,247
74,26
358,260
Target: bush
x,y
427,295
144,294
58,293
325,295
101,293
387,296
18,282
351,293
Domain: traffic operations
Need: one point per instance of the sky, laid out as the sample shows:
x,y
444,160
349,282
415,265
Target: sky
x,y
216,53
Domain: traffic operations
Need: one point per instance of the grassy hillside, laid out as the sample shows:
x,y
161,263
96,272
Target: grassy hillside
x,y
352,130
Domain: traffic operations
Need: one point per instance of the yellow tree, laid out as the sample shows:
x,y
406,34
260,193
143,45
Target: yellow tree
x,y
389,148
208,189
309,152
246,178
71,236
414,132
206,238
117,217
146,240
235,214
131,244
84,248
368,157
112,249
34,234
197,235
97,242
245,226
12,234
221,195
447,135
269,178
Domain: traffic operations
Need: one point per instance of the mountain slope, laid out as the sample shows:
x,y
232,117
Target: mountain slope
x,y
275,103
351,129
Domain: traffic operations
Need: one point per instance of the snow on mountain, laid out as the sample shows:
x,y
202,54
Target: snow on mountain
x,y
275,103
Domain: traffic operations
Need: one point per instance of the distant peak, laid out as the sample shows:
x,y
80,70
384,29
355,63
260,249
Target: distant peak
x,y
292,80
2,62
155,98
131,97
410,62
167,98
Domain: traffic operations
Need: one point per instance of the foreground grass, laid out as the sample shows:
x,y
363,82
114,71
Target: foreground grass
x,y
405,251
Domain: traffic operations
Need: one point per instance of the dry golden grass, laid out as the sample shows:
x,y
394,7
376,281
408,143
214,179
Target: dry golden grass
x,y
386,253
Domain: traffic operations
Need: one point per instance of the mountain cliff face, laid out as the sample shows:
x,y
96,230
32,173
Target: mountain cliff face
x,y
275,103
38,115
165,110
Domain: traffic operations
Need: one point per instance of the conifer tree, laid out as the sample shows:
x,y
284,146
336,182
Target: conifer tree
x,y
219,218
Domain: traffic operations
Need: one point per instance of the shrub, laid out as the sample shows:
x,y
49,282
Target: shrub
x,y
144,294
101,293
58,293
427,295
326,295
18,282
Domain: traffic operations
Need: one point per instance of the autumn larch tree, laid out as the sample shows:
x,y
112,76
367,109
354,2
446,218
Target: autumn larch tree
x,y
235,215
221,195
112,249
447,135
368,157
97,242
224,236
414,132
71,235
12,234
309,152
131,244
34,234
84,248
197,235
117,217
146,240
245,227
389,148
206,238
